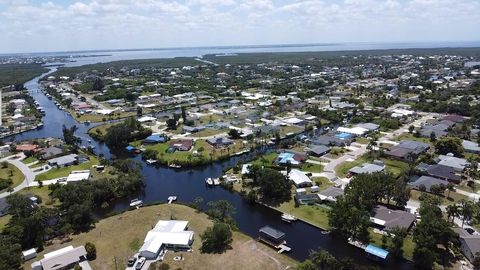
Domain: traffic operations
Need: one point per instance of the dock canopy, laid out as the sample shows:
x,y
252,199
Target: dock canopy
x,y
377,252
271,236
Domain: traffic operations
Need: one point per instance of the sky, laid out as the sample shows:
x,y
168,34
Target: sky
x,y
69,25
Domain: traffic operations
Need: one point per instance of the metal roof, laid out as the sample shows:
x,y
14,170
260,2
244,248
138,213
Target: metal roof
x,y
376,251
274,233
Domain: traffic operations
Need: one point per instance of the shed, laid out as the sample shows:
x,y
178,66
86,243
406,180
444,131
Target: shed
x,y
29,254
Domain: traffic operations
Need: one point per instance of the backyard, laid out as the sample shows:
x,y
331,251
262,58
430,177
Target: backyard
x,y
394,167
113,251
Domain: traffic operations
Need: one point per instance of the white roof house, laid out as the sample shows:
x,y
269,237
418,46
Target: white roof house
x,y
75,176
299,178
359,131
145,119
166,234
62,259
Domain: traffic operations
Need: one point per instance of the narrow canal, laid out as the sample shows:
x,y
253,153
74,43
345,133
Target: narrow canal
x,y
187,184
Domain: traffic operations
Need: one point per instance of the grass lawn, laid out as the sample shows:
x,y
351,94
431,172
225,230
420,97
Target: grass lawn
x,y
100,130
3,221
13,173
336,152
411,137
394,167
313,214
134,225
100,117
265,160
290,129
62,172
29,160
362,140
209,132
310,167
43,193
454,197
408,244
209,152
322,182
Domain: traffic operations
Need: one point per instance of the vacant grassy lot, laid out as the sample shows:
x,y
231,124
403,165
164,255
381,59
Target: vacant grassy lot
x,y
29,160
13,173
99,131
454,196
43,193
411,137
118,238
311,167
209,132
62,172
394,167
313,214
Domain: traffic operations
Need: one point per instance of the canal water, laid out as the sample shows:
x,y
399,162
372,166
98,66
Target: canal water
x,y
187,184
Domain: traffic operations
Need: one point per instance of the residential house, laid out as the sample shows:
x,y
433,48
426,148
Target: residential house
x,y
190,129
458,164
27,148
288,157
407,149
155,138
440,171
471,147
63,161
330,194
181,145
219,142
329,141
318,150
427,182
299,178
469,244
167,235
388,219
50,152
65,258
368,168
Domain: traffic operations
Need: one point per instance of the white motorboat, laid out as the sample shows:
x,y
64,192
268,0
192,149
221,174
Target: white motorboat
x,y
288,218
136,203
212,181
151,161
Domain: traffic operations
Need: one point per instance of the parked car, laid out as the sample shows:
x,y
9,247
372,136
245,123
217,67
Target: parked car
x,y
140,263
131,261
470,230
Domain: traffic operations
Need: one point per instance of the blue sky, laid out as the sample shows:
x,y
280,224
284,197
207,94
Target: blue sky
x,y
59,25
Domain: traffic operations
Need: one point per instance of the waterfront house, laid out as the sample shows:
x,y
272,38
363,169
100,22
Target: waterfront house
x,y
167,235
155,138
330,194
50,152
181,145
388,219
292,158
219,142
299,178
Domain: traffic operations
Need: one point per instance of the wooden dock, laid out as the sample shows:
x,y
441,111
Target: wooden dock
x,y
283,248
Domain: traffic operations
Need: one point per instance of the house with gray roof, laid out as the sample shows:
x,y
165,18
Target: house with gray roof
x,y
406,148
318,150
329,141
388,219
369,126
50,152
368,168
63,161
469,244
426,181
219,142
330,194
458,164
471,147
440,171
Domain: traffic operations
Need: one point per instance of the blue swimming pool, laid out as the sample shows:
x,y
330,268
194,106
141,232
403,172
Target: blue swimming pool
x,y
343,135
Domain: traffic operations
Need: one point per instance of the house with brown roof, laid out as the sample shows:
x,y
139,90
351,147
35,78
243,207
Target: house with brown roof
x,y
181,145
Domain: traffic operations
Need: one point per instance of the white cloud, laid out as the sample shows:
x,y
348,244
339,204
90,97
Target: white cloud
x,y
88,24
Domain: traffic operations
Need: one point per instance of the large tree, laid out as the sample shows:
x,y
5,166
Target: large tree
x,y
216,239
221,210
447,145
349,220
273,185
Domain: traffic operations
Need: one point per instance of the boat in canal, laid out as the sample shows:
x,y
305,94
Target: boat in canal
x,y
288,218
212,181
136,203
151,161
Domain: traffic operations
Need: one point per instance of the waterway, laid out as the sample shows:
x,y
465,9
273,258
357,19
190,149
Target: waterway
x,y
187,184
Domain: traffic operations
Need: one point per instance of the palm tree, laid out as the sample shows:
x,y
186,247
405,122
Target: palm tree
x,y
450,187
452,211
466,211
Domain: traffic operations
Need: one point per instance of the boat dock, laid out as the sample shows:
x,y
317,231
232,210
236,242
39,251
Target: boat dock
x,y
283,248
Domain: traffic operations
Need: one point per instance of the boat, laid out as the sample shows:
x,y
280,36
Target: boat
x,y
171,199
136,203
39,126
288,218
174,166
212,181
151,161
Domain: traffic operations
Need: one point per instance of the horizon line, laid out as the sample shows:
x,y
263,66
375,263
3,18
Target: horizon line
x,y
237,46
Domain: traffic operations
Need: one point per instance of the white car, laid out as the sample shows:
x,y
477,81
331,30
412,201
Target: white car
x,y
140,263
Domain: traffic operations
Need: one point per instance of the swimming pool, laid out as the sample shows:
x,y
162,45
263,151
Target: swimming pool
x,y
343,135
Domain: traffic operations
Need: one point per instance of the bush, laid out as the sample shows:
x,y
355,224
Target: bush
x,y
216,239
91,251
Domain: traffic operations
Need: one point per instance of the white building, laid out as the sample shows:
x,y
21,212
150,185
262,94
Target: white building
x,y
299,178
64,258
167,234
76,176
